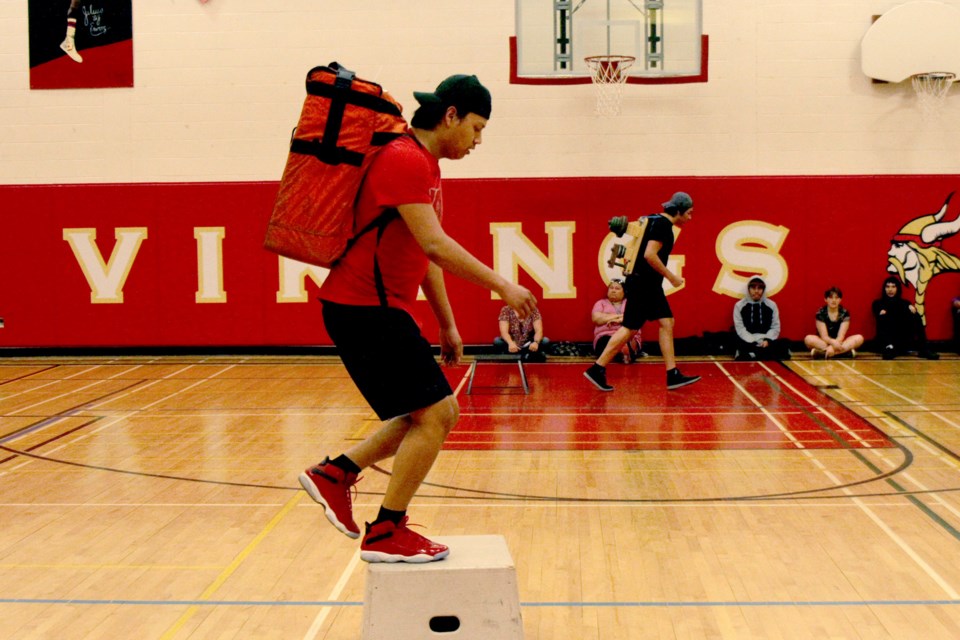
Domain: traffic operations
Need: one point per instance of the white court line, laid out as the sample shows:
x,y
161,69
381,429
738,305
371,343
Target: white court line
x,y
37,404
762,409
818,408
38,387
129,414
900,542
332,597
896,426
348,571
885,528
632,413
140,388
909,477
53,421
158,400
909,401
166,414
789,503
58,419
810,372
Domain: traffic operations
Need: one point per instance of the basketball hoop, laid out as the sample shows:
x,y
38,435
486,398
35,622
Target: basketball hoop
x,y
932,89
609,74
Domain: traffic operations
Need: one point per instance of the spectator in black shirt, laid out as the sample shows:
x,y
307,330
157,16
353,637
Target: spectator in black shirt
x,y
833,323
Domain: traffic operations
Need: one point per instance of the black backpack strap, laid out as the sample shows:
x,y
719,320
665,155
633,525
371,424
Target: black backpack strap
x,y
377,275
380,223
341,94
326,153
338,104
332,154
364,100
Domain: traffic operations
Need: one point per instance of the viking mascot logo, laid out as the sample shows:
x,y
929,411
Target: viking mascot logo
x,y
916,256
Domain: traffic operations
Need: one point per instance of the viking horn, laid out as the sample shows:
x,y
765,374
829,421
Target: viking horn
x,y
938,230
943,210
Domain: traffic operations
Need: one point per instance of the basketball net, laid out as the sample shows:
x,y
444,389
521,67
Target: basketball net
x,y
609,74
932,89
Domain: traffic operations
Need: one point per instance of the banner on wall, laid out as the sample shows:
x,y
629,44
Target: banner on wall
x,y
184,264
78,44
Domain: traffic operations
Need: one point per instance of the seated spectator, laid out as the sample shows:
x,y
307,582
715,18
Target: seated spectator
x,y
521,336
899,326
833,322
756,321
955,309
607,316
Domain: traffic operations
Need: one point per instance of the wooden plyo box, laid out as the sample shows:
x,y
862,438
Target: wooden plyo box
x,y
472,593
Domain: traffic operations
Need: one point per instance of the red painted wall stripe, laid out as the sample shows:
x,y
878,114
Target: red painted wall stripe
x,y
838,230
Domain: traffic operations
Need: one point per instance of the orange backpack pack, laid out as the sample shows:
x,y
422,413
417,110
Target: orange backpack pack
x,y
345,120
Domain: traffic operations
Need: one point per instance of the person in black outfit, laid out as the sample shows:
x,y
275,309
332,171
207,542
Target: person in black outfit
x,y
899,326
645,295
955,310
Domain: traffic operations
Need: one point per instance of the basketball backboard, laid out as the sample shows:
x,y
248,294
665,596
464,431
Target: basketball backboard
x,y
555,36
912,39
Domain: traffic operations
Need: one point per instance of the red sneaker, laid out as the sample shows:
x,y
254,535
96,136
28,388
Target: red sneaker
x,y
388,542
330,486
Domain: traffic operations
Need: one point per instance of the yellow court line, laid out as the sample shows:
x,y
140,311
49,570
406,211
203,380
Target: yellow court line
x,y
233,566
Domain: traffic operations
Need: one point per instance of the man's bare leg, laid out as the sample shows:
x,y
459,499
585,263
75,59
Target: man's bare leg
x,y
387,538
675,379
665,338
617,340
415,439
416,451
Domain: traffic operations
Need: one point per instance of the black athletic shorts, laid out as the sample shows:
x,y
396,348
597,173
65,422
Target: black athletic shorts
x,y
645,301
390,362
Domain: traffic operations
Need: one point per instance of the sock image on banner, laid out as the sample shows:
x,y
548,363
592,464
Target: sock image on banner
x,y
76,44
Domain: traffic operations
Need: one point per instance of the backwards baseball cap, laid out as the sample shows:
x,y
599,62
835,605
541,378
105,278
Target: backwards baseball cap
x,y
678,204
461,91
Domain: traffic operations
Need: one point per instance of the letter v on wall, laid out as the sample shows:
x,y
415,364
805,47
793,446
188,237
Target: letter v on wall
x,y
106,279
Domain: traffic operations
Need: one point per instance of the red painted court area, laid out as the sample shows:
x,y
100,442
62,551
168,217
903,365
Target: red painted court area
x,y
737,405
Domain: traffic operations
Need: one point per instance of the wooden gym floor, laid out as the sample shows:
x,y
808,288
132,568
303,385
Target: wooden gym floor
x,y
156,498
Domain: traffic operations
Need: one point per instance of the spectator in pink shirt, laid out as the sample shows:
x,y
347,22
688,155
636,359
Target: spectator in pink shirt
x,y
607,317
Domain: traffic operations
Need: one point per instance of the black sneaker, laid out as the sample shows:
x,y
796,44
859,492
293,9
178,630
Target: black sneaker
x,y
929,355
598,376
675,379
889,353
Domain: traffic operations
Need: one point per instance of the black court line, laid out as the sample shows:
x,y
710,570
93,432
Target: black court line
x,y
806,494
480,494
28,375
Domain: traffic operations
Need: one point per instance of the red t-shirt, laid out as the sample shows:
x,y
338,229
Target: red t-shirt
x,y
403,172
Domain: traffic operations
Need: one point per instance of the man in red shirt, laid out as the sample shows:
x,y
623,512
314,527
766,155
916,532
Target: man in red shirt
x,y
368,300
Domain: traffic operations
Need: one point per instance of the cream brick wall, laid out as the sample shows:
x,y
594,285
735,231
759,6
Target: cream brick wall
x,y
219,86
